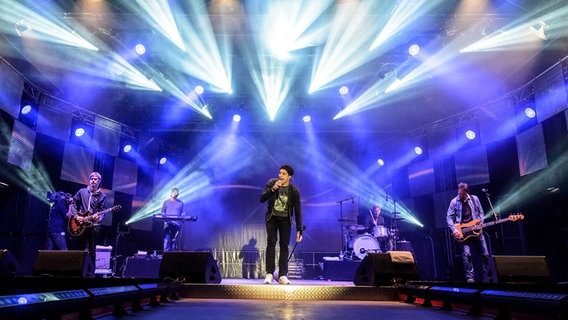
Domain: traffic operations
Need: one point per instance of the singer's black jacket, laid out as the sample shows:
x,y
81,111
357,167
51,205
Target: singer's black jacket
x,y
294,208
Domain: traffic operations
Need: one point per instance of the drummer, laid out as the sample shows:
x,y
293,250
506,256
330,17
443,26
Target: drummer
x,y
375,225
374,219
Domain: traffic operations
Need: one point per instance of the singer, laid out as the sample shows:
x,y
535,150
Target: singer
x,y
463,209
283,203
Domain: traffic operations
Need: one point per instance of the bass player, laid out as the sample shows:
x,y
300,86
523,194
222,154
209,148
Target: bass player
x,y
88,202
463,209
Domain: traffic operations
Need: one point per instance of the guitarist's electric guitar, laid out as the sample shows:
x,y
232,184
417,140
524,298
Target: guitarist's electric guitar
x,y
77,228
474,227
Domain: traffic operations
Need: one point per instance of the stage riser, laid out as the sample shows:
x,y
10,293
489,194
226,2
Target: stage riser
x,y
289,292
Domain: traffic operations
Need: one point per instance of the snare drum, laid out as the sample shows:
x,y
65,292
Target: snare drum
x,y
363,244
380,232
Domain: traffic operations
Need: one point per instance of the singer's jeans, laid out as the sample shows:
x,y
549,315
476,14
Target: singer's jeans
x,y
481,246
274,227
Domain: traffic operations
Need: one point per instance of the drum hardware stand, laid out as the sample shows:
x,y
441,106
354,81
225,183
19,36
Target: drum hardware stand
x,y
341,219
394,223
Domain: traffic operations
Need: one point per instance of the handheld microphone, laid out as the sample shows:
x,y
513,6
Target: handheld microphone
x,y
302,229
484,190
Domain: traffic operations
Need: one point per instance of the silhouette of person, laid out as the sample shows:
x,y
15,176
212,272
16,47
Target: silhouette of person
x,y
250,255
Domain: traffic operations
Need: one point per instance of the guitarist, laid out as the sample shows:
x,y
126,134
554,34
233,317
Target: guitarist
x,y
87,202
463,209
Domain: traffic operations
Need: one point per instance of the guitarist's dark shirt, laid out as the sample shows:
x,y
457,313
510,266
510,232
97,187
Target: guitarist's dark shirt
x,y
97,202
466,212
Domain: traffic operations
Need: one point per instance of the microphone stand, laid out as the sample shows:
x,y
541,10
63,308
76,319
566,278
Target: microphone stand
x,y
491,205
296,244
493,213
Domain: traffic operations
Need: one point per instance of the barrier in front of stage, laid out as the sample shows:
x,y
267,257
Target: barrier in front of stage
x,y
389,268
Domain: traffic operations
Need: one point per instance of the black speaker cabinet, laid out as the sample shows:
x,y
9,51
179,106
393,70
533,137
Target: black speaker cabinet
x,y
193,267
389,268
142,268
525,269
72,263
9,266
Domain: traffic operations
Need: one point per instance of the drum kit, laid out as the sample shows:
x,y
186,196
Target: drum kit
x,y
357,245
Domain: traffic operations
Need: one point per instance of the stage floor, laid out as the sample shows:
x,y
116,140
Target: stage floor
x,y
222,309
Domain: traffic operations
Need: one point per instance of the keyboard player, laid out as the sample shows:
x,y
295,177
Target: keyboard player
x,y
172,207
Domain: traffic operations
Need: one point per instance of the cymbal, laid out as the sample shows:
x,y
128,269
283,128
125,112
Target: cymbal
x,y
345,220
357,227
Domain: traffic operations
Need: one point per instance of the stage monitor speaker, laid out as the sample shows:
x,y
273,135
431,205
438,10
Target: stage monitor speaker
x,y
193,267
72,263
9,266
393,267
517,269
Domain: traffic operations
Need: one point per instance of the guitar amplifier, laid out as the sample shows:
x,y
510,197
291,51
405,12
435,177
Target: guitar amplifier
x,y
103,257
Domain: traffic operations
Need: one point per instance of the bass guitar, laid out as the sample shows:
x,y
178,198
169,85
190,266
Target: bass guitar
x,y
77,228
474,228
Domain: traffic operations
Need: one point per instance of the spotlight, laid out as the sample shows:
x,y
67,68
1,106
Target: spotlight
x,y
470,134
26,109
343,90
127,148
21,27
418,150
414,49
237,118
79,132
199,90
541,30
380,162
140,49
530,112
163,160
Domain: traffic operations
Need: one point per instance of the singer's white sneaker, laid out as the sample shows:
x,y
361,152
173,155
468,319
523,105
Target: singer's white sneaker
x,y
284,280
268,279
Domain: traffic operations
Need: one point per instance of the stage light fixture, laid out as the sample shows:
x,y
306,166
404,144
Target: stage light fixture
x,y
199,89
163,160
26,109
140,49
237,118
413,49
418,150
540,29
380,162
470,134
21,27
79,132
306,118
530,112
343,90
127,148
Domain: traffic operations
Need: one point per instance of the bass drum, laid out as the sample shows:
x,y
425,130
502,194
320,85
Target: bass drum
x,y
363,244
